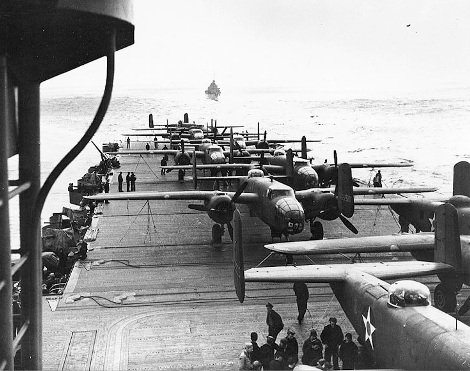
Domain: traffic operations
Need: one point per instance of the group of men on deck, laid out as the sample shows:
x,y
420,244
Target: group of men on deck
x,y
130,182
319,352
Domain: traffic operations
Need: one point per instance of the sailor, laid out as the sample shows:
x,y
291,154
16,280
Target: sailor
x,y
312,349
332,337
378,179
128,140
244,360
301,292
292,347
106,189
266,352
132,179
155,142
128,181
274,321
120,182
163,162
147,146
348,352
255,353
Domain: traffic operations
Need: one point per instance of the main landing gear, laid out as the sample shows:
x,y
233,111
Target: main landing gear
x,y
445,298
217,233
316,229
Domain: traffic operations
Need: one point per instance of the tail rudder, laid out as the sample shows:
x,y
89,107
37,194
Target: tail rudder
x,y
303,147
344,190
447,240
150,121
238,264
461,179
194,170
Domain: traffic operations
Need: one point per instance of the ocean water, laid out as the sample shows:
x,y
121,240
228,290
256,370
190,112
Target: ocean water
x,y
432,131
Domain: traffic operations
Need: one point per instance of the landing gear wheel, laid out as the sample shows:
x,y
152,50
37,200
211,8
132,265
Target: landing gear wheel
x,y
316,229
217,233
444,298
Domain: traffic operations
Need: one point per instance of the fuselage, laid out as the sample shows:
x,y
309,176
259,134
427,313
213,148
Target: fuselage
x,y
305,176
410,337
276,206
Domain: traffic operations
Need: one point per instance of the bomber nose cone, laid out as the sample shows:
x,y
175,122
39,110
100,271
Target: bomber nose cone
x,y
293,215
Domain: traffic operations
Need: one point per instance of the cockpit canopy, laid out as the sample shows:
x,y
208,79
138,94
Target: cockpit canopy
x,y
408,293
255,173
214,148
279,152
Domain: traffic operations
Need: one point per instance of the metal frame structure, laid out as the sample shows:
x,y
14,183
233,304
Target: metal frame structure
x,y
40,39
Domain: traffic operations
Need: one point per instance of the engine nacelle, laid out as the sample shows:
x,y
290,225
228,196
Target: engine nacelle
x,y
182,158
220,209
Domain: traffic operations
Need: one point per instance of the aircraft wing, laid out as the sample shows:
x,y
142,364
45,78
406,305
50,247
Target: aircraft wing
x,y
210,166
340,272
362,191
381,190
225,166
244,198
422,203
372,244
379,164
145,152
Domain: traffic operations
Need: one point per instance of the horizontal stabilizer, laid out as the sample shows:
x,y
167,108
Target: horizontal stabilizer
x,y
339,272
372,244
423,204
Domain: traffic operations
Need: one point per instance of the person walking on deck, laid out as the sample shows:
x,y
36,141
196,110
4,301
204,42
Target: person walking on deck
x,y
128,140
301,293
274,321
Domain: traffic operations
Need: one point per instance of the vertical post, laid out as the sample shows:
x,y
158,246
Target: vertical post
x,y
6,317
29,171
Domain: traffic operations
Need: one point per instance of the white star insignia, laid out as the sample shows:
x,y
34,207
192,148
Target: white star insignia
x,y
369,328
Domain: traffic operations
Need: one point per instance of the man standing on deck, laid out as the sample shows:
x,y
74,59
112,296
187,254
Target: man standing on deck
x,y
133,178
274,322
120,182
106,189
128,181
332,337
155,142
301,292
128,140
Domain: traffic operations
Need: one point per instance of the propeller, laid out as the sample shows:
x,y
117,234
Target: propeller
x,y
237,194
348,224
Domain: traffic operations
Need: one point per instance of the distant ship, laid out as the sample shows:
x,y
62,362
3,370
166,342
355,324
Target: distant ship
x,y
213,90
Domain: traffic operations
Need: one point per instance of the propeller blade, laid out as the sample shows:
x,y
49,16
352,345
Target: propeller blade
x,y
335,156
348,224
239,191
230,230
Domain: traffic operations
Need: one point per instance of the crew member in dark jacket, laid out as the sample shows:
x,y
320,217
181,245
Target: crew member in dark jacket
x,y
133,178
301,292
274,322
332,337
312,350
348,353
128,182
120,180
106,189
255,352
292,348
266,352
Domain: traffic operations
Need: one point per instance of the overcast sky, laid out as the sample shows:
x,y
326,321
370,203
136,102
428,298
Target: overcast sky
x,y
330,44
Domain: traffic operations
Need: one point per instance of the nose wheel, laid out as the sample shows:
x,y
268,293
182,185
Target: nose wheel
x,y
316,229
